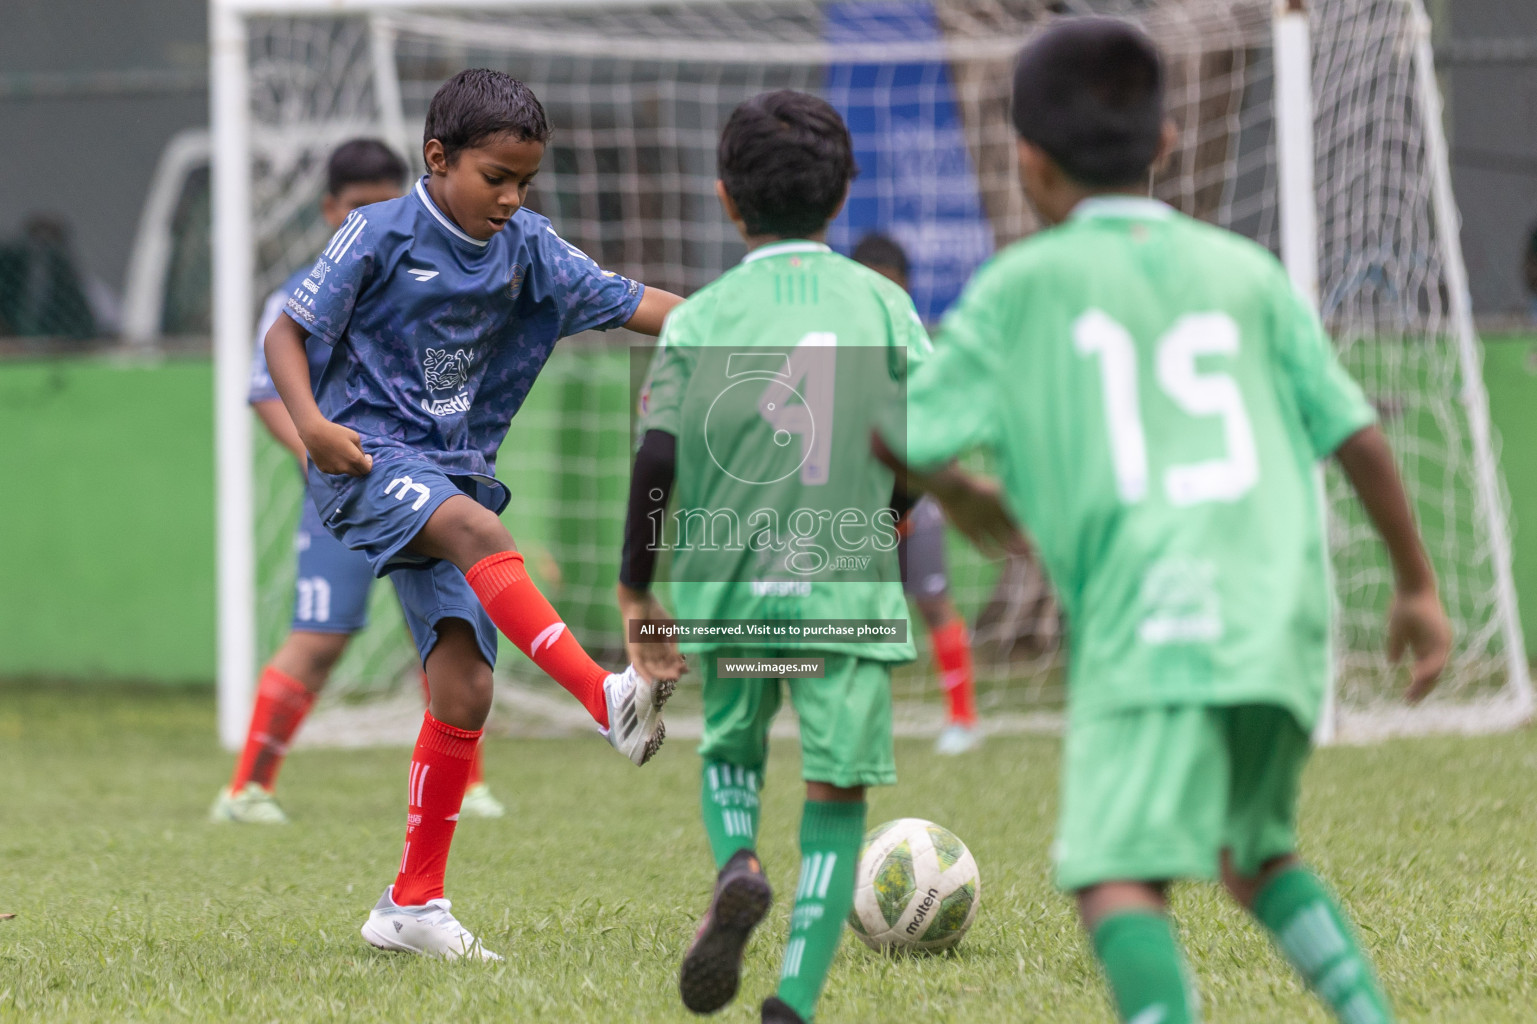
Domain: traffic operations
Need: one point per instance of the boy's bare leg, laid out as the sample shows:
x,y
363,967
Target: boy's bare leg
x,y
310,657
936,611
1100,901
458,678
1134,941
1311,929
464,532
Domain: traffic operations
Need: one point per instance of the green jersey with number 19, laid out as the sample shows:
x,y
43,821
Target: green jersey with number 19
x,y
772,378
1157,396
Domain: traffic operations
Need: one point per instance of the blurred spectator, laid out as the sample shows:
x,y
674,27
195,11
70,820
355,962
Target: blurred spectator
x,y
43,293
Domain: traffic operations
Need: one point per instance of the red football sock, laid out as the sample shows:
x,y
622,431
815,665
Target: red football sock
x,y
526,618
439,766
281,704
476,775
952,653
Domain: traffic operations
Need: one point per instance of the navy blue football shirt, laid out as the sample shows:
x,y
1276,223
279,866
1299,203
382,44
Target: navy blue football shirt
x,y
438,335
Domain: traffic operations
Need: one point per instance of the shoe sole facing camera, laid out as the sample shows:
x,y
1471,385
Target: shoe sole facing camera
x,y
661,692
627,724
712,969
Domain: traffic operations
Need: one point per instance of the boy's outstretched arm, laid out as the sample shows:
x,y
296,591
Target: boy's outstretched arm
x,y
334,448
1416,620
654,306
974,504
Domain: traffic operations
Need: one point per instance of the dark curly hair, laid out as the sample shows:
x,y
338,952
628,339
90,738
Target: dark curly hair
x,y
786,161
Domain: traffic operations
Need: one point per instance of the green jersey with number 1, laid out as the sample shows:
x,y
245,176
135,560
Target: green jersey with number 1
x,y
772,378
1158,396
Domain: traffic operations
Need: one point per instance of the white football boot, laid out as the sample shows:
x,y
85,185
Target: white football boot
x,y
480,803
958,739
428,930
252,805
635,726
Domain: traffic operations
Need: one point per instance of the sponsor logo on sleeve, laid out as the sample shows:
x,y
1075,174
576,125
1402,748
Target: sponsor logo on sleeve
x,y
297,308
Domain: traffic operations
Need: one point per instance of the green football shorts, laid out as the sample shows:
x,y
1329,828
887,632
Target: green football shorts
x,y
1158,793
845,717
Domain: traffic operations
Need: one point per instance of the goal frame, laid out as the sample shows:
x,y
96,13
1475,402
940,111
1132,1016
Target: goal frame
x,y
233,255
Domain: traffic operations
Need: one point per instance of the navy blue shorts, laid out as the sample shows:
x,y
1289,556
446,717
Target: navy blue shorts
x,y
921,551
381,513
332,585
435,592
378,515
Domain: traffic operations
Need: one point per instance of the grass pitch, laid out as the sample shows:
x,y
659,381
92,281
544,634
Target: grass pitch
x,y
130,907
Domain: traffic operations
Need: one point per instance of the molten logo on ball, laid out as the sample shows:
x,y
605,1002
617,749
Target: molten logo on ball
x,y
917,887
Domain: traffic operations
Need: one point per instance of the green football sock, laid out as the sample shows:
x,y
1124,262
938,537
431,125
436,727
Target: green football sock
x,y
729,803
1145,968
1312,931
830,837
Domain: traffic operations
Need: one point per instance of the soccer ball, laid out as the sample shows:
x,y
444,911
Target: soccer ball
x,y
917,887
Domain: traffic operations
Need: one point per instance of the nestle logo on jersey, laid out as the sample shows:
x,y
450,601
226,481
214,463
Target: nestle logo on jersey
x,y
447,406
443,370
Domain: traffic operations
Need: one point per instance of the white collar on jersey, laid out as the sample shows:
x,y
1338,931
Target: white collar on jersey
x,y
781,248
1138,207
448,225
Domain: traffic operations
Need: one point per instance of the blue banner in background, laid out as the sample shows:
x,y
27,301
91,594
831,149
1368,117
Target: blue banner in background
x,y
916,181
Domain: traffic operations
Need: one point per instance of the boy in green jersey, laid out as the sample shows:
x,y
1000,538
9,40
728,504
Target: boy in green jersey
x,y
1157,396
755,419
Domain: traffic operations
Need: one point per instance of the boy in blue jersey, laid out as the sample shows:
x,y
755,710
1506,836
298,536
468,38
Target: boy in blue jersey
x,y
441,307
332,583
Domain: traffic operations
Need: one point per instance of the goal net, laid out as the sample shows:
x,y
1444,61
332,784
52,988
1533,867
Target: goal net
x,y
636,94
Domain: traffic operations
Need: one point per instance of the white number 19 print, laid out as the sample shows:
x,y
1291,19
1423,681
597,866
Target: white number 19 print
x,y
1202,395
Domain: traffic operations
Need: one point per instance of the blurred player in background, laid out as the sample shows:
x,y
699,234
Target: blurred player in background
x,y
332,583
922,553
835,338
1157,396
440,309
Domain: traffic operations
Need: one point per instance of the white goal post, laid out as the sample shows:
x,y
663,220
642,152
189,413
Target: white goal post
x,y
1335,158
